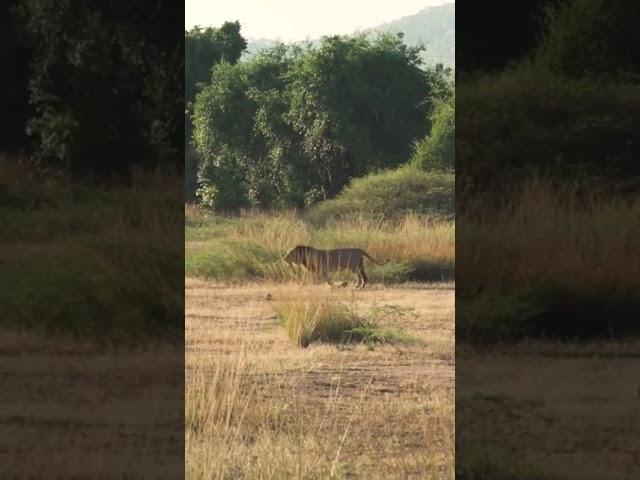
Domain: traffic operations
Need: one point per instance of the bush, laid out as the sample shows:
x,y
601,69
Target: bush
x,y
593,37
529,119
389,195
437,150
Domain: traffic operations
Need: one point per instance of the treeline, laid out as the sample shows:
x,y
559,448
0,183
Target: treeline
x,y
293,125
204,48
570,106
96,86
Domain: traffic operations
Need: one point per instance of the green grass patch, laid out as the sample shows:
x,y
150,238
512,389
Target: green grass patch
x,y
101,264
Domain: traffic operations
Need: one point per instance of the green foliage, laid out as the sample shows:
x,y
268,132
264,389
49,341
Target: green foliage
x,y
390,194
593,37
529,119
204,49
105,88
357,104
296,125
437,150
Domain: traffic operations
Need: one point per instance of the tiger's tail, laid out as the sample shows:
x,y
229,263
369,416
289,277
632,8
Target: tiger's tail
x,y
374,260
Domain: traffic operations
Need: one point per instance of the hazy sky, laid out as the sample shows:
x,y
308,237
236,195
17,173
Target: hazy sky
x,y
292,20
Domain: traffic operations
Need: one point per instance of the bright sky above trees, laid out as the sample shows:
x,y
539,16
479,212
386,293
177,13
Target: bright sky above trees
x,y
292,20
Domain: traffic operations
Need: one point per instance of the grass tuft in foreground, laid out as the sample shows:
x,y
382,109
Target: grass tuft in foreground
x,y
314,320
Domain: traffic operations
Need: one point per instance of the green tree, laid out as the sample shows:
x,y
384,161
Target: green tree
x,y
302,122
103,85
593,37
239,128
204,48
436,151
15,57
357,103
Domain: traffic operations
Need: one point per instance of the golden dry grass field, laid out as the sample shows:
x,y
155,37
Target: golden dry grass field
x,y
570,410
71,409
260,406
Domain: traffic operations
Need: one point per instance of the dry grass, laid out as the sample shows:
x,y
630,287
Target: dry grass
x,y
252,247
257,406
554,236
573,414
314,319
560,261
569,408
90,261
75,410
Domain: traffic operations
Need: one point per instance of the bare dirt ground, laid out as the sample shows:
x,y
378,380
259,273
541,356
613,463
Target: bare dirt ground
x,y
75,410
575,413
390,409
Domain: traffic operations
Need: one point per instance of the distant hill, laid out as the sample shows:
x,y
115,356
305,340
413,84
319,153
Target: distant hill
x,y
433,27
254,45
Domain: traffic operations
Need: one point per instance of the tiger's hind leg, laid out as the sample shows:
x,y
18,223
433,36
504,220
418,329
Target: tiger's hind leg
x,y
362,277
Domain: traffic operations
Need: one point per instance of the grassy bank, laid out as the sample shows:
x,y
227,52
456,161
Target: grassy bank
x,y
251,247
556,261
90,262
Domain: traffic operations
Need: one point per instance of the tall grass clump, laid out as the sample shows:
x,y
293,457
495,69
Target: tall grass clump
x,y
314,320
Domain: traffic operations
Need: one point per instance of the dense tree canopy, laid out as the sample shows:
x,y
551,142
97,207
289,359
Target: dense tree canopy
x,y
106,84
593,37
15,56
291,126
206,47
203,49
